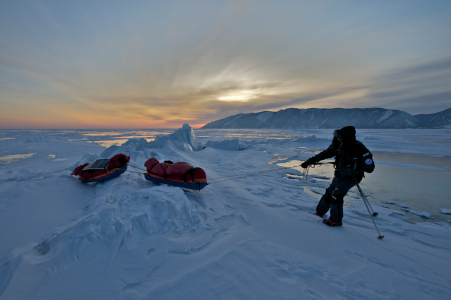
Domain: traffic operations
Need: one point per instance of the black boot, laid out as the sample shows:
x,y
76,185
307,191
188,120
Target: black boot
x,y
336,208
324,204
332,223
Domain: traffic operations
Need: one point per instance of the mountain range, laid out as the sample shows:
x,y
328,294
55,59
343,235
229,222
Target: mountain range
x,y
316,118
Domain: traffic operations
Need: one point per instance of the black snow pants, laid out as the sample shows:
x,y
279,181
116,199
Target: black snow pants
x,y
333,198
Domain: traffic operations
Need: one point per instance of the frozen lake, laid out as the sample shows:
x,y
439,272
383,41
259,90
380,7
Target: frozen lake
x,y
254,237
413,165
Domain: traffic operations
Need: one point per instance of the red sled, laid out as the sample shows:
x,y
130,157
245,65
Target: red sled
x,y
102,169
179,174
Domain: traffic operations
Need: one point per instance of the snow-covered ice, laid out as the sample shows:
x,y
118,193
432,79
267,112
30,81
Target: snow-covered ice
x,y
250,238
232,145
421,213
397,204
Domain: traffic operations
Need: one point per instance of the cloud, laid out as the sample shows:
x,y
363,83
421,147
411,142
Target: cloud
x,y
159,64
419,88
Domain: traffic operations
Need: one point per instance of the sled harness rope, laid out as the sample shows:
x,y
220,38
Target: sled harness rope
x,y
135,171
236,176
138,168
305,174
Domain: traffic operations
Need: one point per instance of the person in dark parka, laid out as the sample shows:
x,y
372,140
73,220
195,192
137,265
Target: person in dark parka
x,y
352,158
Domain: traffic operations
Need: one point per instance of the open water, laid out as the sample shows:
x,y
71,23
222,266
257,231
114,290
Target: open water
x,y
417,189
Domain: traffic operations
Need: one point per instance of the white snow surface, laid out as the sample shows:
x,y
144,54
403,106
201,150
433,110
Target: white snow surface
x,y
262,117
251,238
231,145
421,213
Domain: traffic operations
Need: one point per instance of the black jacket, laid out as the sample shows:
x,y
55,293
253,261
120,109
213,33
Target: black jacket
x,y
351,158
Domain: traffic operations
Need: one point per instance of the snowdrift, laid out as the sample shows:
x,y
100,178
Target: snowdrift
x,y
137,144
183,139
121,219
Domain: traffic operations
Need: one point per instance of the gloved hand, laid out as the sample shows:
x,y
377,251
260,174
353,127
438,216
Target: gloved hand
x,y
308,162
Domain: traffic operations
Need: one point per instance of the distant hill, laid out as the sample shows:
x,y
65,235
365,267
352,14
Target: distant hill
x,y
312,118
438,120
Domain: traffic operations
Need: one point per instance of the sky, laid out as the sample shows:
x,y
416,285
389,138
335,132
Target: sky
x,y
159,64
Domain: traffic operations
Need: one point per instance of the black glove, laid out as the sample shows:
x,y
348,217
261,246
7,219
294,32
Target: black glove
x,y
308,162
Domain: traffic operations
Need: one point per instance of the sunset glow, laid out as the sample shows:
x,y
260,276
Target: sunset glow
x,y
161,64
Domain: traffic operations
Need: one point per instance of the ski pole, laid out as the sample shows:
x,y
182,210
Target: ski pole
x,y
368,206
375,214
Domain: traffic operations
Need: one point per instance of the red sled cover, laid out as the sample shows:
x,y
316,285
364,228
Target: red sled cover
x,y
150,163
159,170
118,161
93,174
179,171
199,175
179,168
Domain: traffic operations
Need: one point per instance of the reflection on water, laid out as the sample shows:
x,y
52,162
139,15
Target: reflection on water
x,y
107,138
6,159
102,133
116,142
245,134
276,159
109,143
130,133
415,188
